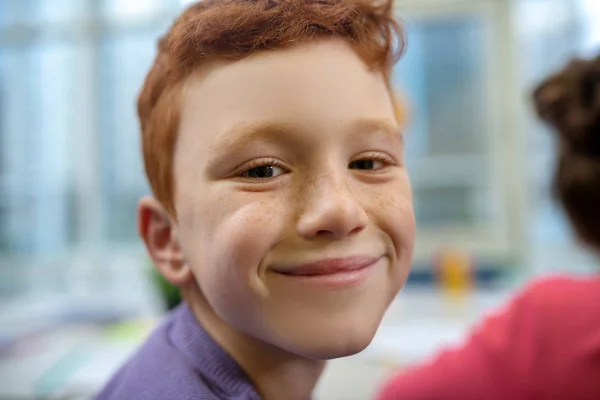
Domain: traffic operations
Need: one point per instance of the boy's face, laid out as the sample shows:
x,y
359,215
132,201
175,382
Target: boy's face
x,y
294,206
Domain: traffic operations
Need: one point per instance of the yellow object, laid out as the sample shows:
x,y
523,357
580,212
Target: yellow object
x,y
456,272
401,109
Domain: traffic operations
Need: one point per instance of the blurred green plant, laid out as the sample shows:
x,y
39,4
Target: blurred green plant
x,y
170,294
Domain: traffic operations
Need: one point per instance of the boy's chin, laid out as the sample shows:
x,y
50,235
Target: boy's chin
x,y
329,344
331,351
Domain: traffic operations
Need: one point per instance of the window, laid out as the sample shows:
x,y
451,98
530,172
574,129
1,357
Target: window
x,y
70,163
444,75
123,179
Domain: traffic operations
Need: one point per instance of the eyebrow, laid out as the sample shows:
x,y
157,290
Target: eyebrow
x,y
381,126
242,134
290,133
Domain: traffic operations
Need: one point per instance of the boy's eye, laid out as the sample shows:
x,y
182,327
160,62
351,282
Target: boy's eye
x,y
263,172
366,164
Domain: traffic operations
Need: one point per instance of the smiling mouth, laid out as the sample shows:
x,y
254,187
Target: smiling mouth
x,y
333,272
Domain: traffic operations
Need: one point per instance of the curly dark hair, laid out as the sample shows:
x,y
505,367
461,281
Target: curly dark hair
x,y
569,102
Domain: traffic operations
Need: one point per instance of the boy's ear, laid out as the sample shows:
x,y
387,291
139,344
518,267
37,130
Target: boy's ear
x,y
157,229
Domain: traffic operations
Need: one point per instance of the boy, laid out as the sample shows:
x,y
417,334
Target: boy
x,y
281,208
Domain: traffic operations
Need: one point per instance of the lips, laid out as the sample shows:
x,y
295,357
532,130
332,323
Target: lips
x,y
330,266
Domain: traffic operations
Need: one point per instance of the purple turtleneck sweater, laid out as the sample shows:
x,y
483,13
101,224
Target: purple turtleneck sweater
x,y
180,361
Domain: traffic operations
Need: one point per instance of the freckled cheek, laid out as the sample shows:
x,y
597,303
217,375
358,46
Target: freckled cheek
x,y
393,212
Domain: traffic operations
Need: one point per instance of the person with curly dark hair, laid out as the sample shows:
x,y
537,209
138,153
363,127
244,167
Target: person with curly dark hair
x,y
545,344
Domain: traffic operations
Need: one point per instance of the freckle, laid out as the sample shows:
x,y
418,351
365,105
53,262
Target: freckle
x,y
387,201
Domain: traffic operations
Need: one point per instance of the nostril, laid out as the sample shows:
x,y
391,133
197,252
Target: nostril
x,y
324,232
356,230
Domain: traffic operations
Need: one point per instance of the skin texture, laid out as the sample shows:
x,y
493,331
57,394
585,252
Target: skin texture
x,y
321,127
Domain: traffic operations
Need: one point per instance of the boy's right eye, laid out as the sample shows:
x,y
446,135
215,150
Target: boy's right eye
x,y
263,172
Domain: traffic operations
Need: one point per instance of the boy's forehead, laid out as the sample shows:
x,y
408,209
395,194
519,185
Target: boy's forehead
x,y
282,59
266,95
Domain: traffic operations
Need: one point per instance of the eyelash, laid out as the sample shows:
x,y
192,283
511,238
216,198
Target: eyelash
x,y
272,162
269,162
264,162
383,158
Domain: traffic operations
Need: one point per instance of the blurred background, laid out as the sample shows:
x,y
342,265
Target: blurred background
x,y
76,291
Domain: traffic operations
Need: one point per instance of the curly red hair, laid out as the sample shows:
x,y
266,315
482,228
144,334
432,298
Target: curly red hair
x,y
233,29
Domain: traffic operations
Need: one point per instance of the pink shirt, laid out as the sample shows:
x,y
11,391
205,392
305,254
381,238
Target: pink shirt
x,y
545,344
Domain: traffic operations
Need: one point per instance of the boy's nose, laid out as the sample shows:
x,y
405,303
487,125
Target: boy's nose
x,y
331,211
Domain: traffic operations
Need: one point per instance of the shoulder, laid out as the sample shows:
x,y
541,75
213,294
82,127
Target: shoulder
x,y
542,304
135,382
557,297
566,309
156,371
530,345
551,293
565,334
557,313
566,284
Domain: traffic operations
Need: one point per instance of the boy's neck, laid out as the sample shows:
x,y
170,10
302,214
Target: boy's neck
x,y
275,373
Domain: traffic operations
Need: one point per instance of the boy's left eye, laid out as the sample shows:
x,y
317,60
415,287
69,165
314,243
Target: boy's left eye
x,y
366,164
